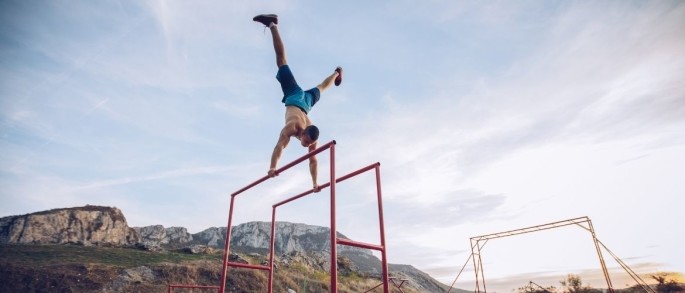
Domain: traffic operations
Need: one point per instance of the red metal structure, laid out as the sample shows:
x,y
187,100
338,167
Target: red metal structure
x,y
478,242
334,239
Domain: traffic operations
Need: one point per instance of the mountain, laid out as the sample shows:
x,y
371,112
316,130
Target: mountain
x,y
306,245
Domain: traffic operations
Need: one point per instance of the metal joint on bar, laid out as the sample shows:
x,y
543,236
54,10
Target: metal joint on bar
x,y
286,167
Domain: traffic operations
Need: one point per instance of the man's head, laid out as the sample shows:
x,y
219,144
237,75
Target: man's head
x,y
309,135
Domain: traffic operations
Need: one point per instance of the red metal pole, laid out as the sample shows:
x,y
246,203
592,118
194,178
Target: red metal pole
x,y
286,167
334,250
227,246
272,249
482,272
386,287
601,258
475,265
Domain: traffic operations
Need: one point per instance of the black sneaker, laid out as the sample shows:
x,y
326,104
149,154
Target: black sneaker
x,y
266,19
338,79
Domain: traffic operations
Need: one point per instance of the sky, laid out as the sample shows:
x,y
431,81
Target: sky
x,y
486,116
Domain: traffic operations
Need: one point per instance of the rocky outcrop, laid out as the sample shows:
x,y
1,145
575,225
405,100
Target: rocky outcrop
x,y
290,237
89,225
211,237
157,235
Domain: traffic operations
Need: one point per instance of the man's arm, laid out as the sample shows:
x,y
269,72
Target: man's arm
x,y
283,140
313,168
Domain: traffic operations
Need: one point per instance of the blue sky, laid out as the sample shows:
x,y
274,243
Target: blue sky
x,y
485,115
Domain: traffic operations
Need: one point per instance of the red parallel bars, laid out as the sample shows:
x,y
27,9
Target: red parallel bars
x,y
329,145
334,239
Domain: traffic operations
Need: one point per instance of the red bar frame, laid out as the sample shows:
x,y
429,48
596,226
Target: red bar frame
x,y
334,240
227,245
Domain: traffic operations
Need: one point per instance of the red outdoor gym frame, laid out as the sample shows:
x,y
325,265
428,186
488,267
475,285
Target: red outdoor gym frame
x,y
342,241
334,239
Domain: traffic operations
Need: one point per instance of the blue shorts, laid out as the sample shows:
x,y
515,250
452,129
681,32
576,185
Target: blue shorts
x,y
293,95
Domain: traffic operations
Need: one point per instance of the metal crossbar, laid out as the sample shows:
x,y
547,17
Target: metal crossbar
x,y
170,287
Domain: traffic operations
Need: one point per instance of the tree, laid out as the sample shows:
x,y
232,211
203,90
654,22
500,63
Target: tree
x,y
573,284
667,286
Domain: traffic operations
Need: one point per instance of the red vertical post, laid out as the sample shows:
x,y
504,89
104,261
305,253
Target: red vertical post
x,y
475,265
334,238
386,287
272,249
480,261
226,247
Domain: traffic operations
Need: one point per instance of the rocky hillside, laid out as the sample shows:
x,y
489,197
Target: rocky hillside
x,y
89,225
296,244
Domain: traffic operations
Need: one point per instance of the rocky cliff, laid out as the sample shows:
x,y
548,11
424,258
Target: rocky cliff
x,y
89,225
294,243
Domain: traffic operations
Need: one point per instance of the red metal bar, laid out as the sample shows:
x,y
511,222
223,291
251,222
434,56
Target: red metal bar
x,y
286,167
533,228
482,272
334,249
171,286
399,287
460,271
227,245
272,249
373,288
248,266
384,256
327,184
475,264
349,242
601,258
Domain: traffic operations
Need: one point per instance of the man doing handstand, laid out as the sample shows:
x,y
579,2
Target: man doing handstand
x,y
297,102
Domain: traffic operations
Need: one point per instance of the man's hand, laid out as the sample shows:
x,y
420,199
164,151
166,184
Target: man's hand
x,y
317,188
272,172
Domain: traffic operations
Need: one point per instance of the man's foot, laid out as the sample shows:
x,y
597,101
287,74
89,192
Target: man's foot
x,y
266,19
338,79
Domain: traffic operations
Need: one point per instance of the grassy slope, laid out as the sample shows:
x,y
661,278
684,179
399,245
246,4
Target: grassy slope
x,y
70,268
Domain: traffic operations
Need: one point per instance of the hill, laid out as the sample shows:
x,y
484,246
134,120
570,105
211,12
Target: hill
x,y
92,249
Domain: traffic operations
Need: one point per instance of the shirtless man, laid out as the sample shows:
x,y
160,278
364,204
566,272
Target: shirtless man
x,y
297,102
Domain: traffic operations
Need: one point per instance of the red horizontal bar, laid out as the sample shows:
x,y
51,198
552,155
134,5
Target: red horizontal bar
x,y
286,167
349,242
247,266
328,184
193,286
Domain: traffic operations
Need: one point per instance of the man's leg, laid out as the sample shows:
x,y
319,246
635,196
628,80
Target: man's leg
x,y
270,21
278,46
326,83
